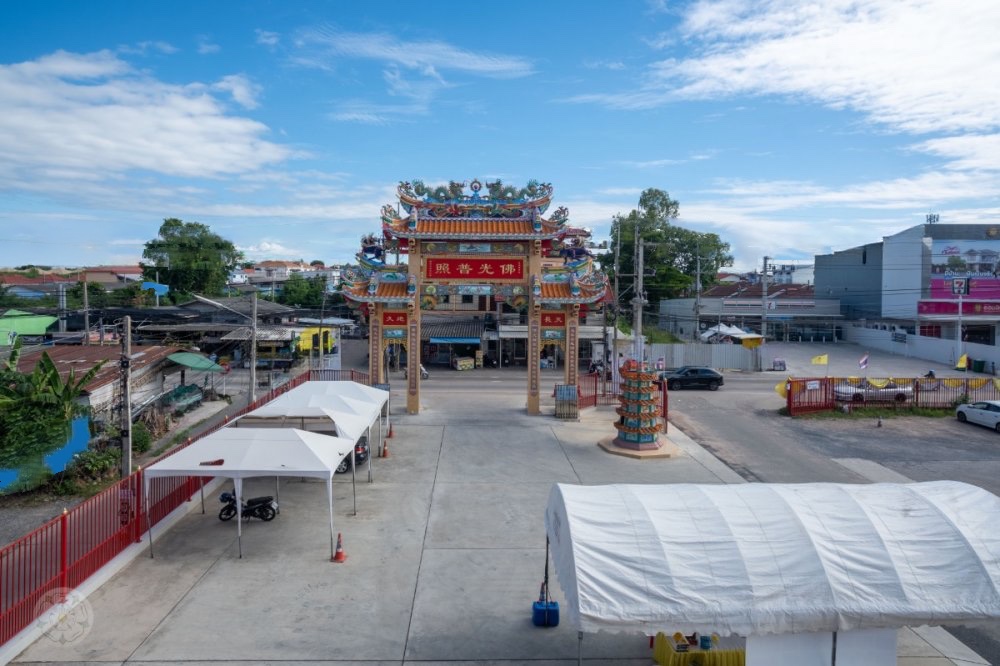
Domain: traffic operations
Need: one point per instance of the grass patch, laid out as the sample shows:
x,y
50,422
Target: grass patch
x,y
876,412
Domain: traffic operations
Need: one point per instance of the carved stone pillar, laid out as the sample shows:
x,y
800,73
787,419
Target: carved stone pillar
x,y
414,348
376,367
572,334
534,326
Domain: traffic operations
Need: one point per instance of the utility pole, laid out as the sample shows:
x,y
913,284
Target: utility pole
x,y
126,381
697,295
763,301
637,300
614,311
86,312
253,346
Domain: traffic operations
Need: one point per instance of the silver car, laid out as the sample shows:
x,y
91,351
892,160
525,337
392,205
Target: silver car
x,y
868,392
984,412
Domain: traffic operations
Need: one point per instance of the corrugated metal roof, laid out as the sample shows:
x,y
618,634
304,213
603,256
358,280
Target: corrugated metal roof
x,y
463,328
81,359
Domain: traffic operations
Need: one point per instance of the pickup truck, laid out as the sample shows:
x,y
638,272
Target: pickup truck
x,y
691,376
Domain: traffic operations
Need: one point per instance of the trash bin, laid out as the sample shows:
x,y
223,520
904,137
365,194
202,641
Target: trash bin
x,y
978,365
567,402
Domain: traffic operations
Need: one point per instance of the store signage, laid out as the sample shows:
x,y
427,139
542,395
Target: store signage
x,y
475,269
394,333
951,307
554,319
394,319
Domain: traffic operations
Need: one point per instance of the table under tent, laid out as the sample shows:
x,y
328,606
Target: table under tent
x,y
343,409
810,574
255,452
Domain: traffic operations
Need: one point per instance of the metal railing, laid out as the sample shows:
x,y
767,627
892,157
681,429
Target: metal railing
x,y
819,394
64,552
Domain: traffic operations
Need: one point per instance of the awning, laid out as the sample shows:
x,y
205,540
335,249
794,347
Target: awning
x,y
196,362
455,341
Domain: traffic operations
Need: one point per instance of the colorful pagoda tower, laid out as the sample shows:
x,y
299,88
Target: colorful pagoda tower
x,y
639,421
487,246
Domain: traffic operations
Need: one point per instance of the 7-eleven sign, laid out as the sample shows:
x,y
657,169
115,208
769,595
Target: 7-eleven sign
x,y
960,286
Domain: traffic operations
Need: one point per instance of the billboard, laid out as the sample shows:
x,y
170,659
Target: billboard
x,y
976,260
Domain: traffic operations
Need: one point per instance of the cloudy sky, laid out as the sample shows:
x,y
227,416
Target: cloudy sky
x,y
787,128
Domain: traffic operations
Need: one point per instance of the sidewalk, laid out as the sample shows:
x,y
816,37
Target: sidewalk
x,y
445,556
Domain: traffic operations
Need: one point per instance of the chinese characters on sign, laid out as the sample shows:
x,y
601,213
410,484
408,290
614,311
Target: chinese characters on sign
x,y
394,319
553,319
457,269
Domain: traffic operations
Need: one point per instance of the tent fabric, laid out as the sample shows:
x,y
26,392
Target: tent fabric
x,y
20,322
250,452
721,330
753,559
353,407
195,361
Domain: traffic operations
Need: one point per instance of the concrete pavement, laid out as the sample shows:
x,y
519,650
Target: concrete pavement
x,y
445,556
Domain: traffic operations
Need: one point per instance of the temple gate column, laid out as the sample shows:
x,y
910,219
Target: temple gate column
x,y
572,335
413,347
534,325
376,366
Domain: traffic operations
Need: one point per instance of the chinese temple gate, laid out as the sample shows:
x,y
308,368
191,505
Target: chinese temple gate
x,y
487,246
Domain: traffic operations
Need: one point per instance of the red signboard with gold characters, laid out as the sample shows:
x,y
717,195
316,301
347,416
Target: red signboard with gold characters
x,y
475,269
554,319
394,319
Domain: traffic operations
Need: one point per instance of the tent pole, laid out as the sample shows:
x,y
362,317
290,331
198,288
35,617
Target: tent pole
x,y
833,654
202,488
238,487
329,499
276,496
371,458
579,648
354,478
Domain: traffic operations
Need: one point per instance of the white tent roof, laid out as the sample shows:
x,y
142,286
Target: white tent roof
x,y
353,407
721,329
249,452
753,559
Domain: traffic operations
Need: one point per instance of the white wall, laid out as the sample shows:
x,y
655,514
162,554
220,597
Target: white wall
x,y
938,350
902,273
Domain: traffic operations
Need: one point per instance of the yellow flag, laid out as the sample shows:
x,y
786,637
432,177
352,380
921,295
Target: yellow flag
x,y
781,389
822,359
963,361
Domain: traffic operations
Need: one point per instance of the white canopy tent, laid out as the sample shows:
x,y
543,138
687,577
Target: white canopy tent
x,y
353,409
250,452
759,559
720,330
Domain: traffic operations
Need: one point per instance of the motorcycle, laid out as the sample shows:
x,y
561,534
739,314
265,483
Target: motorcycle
x,y
423,372
264,508
599,368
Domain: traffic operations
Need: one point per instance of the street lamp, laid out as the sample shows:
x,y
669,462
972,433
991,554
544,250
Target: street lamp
x,y
253,335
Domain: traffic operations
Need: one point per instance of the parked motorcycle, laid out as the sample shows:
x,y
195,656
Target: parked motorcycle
x,y
423,372
264,508
597,367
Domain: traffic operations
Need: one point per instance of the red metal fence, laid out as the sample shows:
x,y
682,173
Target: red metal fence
x,y
819,394
67,550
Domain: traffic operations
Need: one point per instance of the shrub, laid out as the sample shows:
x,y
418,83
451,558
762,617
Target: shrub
x,y
142,440
93,464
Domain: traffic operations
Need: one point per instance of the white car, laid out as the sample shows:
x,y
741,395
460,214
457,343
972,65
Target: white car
x,y
868,392
984,412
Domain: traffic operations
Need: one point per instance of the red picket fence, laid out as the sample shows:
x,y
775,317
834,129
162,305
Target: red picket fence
x,y
64,552
595,391
823,394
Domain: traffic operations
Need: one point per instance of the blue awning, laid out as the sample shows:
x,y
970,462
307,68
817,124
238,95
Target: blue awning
x,y
455,341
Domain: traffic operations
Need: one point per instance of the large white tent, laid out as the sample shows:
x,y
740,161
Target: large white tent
x,y
758,559
351,408
251,452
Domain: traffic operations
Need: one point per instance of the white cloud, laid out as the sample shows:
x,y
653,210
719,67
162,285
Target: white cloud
x,y
972,151
142,48
243,90
205,46
910,65
613,65
267,38
268,248
93,113
427,57
650,164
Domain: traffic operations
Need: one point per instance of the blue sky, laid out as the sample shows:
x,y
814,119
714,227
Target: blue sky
x,y
789,129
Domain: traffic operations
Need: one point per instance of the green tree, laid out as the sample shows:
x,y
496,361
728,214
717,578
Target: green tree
x,y
36,413
189,259
670,255
97,296
303,292
957,264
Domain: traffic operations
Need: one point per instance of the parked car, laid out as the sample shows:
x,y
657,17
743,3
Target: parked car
x,y
690,376
984,412
361,453
868,392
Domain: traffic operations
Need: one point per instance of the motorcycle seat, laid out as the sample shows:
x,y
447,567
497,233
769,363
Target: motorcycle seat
x,y
254,501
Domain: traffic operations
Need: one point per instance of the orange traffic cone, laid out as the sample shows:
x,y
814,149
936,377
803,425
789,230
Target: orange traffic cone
x,y
385,449
339,555
389,434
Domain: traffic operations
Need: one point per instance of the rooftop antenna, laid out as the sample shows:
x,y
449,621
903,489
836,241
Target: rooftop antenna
x,y
933,218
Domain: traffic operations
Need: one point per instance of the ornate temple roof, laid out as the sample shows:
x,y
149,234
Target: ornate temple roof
x,y
501,212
